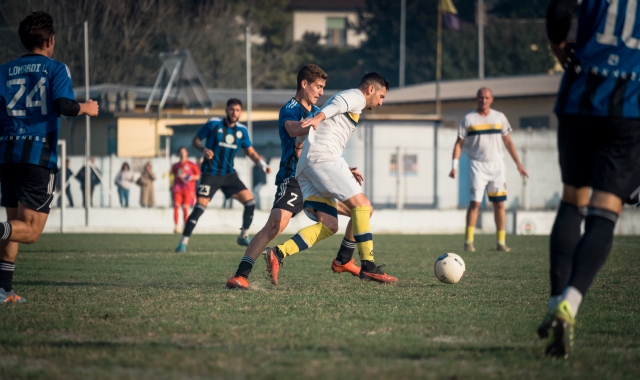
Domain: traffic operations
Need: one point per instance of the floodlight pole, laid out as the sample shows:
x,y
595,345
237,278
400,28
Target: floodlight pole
x,y
403,40
249,103
87,153
480,39
63,182
439,62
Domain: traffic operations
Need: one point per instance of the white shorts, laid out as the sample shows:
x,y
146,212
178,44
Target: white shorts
x,y
322,183
489,175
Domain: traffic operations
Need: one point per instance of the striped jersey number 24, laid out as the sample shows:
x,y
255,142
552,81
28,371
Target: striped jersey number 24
x,y
30,103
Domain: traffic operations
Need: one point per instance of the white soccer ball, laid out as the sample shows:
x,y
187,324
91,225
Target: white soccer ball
x,y
449,268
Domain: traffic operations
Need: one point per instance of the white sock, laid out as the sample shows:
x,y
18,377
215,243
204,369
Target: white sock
x,y
243,233
574,297
553,302
184,240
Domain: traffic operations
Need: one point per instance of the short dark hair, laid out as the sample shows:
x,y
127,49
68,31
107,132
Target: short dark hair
x,y
35,30
310,73
182,147
374,78
233,102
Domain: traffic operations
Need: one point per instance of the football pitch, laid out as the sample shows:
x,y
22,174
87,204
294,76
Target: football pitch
x,y
128,307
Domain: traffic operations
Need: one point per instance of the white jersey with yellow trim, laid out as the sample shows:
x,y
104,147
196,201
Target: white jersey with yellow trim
x,y
484,135
327,143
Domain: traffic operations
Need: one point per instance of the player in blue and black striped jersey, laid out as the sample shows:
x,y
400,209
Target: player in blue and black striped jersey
x,y
288,202
223,138
598,109
34,91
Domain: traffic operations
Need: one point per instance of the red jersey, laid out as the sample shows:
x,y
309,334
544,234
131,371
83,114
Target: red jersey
x,y
183,173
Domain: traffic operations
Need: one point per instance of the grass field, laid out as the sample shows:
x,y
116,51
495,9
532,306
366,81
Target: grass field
x,y
127,306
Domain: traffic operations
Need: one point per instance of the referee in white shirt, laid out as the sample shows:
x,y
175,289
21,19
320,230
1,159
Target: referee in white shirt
x,y
483,129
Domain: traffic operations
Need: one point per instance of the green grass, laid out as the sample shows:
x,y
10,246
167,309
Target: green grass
x,y
127,306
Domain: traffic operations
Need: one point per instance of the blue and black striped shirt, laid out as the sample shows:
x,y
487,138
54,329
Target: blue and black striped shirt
x,y
224,141
29,123
293,111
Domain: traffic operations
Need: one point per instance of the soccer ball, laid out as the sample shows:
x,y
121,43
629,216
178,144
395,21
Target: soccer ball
x,y
449,268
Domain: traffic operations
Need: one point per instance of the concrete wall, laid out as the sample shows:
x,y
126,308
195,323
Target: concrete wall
x,y
217,221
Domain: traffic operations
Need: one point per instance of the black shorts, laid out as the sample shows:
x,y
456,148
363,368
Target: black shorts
x,y
289,197
31,185
600,152
230,184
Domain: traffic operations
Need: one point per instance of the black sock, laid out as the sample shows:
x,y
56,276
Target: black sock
x,y
245,267
5,230
565,236
345,253
279,254
593,249
247,215
367,265
6,275
193,220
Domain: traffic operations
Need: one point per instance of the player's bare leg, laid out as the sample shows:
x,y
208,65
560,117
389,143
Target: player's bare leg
x,y
472,218
24,225
500,217
246,198
305,238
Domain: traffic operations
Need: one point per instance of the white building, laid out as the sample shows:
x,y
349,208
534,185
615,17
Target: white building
x,y
328,18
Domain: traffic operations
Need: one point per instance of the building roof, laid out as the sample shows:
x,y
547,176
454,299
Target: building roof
x,y
326,5
465,89
219,97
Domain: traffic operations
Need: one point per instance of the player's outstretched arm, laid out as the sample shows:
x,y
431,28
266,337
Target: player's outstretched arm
x,y
313,122
295,128
255,157
511,148
90,107
457,150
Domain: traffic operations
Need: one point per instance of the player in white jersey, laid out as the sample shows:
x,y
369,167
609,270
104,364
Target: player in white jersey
x,y
325,177
485,130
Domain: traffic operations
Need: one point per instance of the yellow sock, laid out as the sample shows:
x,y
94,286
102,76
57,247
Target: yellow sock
x,y
360,222
469,235
502,237
305,238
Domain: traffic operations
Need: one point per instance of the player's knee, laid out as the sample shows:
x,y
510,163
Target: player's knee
x,y
498,205
331,224
32,238
473,205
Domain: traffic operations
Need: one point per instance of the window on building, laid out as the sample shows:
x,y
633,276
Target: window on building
x,y
336,31
534,123
409,165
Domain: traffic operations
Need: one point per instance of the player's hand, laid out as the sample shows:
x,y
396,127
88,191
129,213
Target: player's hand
x,y
357,175
90,107
208,153
523,172
313,122
267,170
452,173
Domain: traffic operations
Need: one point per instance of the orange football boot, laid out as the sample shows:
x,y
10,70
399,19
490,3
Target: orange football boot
x,y
238,282
377,275
273,263
349,267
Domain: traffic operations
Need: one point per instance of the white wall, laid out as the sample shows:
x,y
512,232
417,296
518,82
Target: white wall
x,y
316,22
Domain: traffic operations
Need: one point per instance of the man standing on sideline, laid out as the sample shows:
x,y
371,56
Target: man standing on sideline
x,y
94,181
38,90
185,175
223,139
598,148
486,130
67,187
